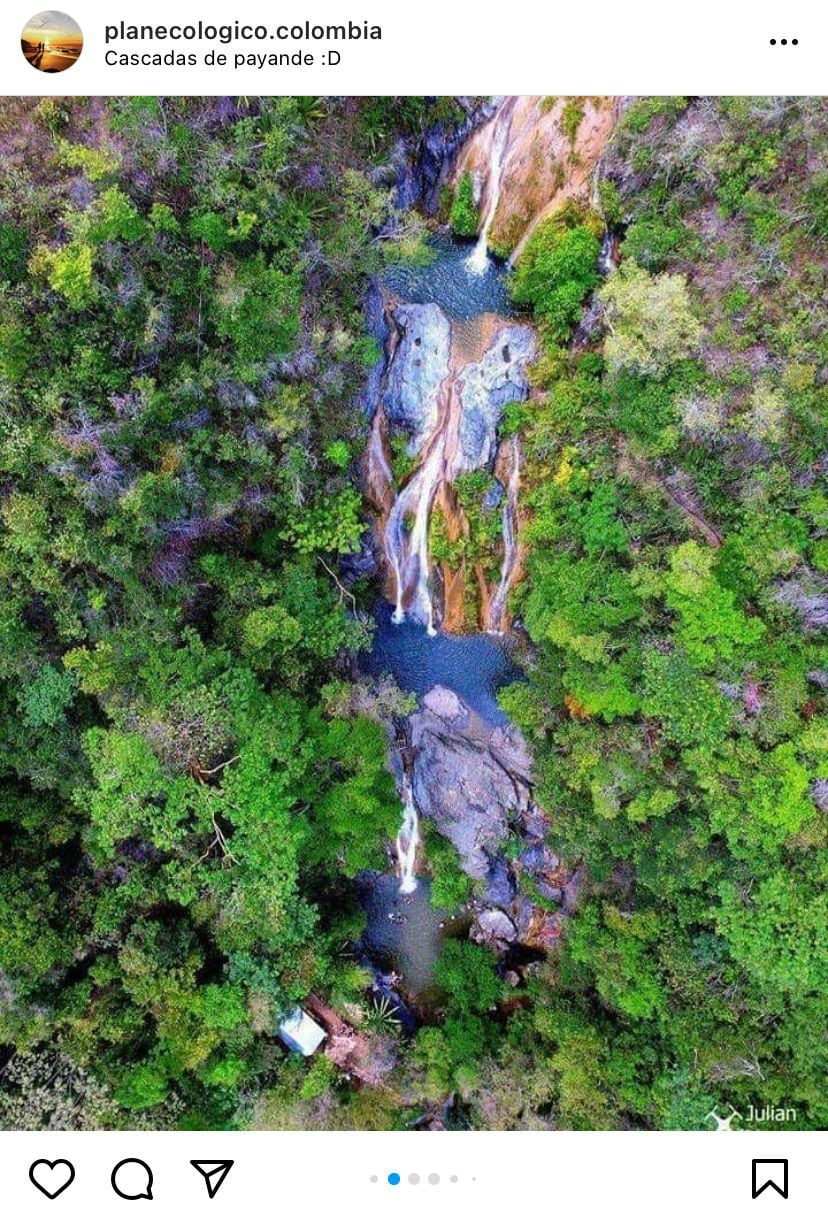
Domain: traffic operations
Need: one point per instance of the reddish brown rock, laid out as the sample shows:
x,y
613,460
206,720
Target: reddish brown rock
x,y
543,165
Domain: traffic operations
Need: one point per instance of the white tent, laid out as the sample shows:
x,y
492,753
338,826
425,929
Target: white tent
x,y
300,1033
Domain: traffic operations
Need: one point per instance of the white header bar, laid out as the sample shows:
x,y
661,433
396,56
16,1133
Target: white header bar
x,y
428,48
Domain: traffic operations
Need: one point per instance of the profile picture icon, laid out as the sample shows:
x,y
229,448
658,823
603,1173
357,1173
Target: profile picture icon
x,y
51,41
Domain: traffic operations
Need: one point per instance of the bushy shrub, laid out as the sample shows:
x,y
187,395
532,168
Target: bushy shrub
x,y
556,271
464,217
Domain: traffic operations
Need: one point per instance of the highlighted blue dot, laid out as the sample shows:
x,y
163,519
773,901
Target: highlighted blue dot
x,y
393,1179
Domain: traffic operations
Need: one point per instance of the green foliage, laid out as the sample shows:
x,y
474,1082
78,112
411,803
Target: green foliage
x,y
615,948
675,718
691,710
779,934
647,109
557,269
466,975
181,817
650,320
258,311
69,272
572,115
190,777
331,525
44,701
114,217
711,628
13,247
450,886
654,241
338,453
97,163
464,217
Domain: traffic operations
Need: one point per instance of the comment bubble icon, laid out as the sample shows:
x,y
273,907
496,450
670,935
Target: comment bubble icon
x,y
132,1179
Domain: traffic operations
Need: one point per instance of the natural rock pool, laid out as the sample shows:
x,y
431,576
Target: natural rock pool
x,y
403,932
474,666
445,279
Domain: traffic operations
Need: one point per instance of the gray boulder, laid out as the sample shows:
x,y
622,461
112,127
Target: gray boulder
x,y
418,366
494,926
499,378
539,860
500,887
469,778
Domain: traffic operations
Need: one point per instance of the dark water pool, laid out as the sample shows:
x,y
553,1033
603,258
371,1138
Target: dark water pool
x,y
404,933
447,282
474,667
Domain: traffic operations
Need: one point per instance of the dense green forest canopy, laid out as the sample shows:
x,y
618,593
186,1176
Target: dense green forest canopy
x,y
189,778
677,597
184,784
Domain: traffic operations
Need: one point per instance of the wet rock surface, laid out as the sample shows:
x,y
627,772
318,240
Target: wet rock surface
x,y
417,369
499,378
543,166
424,169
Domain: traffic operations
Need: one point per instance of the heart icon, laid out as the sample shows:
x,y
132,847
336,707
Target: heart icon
x,y
51,1178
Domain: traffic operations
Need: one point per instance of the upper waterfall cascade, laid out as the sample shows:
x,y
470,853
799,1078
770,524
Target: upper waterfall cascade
x,y
478,260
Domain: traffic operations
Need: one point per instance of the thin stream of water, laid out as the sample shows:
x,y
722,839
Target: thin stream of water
x,y
478,261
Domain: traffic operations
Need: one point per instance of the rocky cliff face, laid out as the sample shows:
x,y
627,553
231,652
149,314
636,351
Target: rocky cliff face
x,y
473,781
553,149
443,388
445,381
421,171
417,367
470,779
497,379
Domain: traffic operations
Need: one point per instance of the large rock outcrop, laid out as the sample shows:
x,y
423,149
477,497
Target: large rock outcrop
x,y
553,148
422,171
472,780
499,378
469,778
443,385
418,366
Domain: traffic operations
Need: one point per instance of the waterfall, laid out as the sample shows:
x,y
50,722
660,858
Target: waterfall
x,y
478,260
408,839
607,260
497,607
415,499
429,474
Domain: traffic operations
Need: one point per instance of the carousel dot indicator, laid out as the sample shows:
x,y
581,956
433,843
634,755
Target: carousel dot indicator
x,y
434,1178
414,1178
394,1179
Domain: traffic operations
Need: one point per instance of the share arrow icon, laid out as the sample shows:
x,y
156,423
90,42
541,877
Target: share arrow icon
x,y
213,1172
